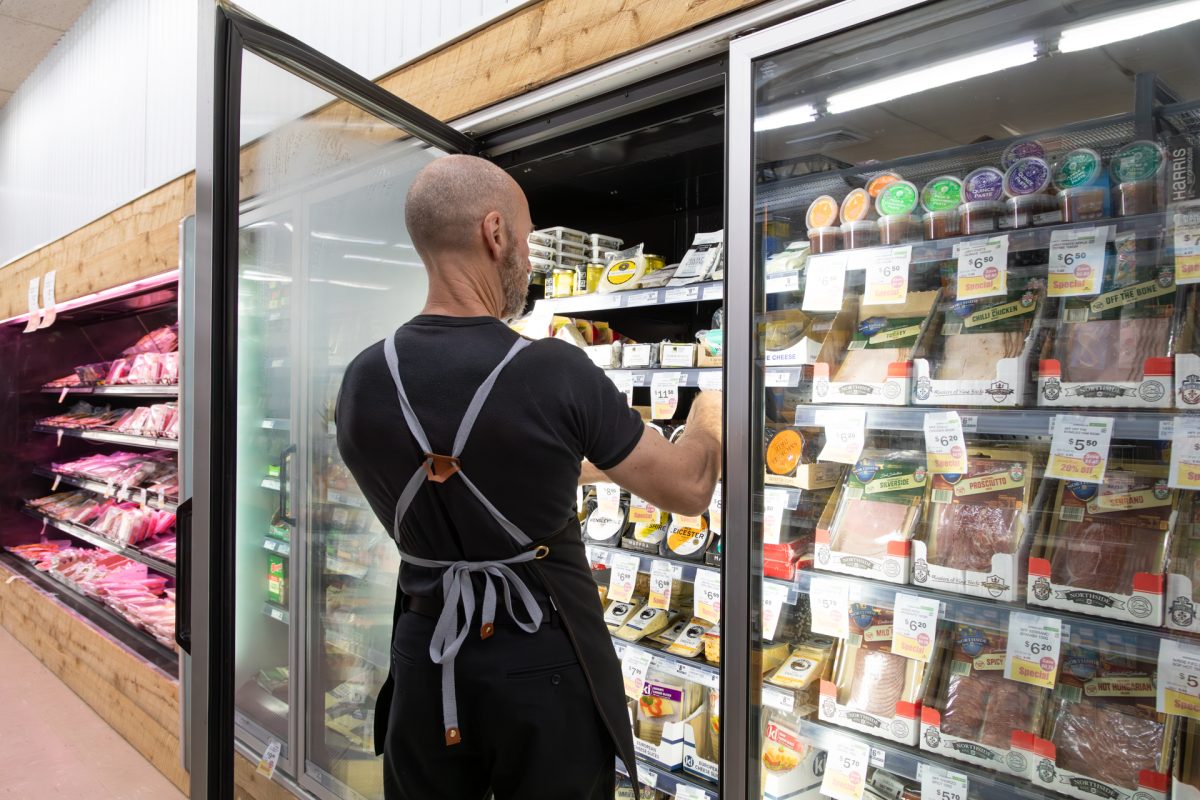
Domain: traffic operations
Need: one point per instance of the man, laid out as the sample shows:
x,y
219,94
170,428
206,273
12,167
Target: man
x,y
505,679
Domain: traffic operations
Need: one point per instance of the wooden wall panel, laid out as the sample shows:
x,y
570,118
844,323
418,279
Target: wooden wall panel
x,y
249,785
139,702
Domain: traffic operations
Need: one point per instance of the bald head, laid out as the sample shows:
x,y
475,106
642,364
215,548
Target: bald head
x,y
450,200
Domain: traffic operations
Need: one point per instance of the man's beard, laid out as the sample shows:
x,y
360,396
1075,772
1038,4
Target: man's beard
x,y
514,280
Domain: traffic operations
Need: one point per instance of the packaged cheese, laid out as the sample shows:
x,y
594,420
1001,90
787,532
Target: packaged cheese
x,y
687,538
606,529
668,635
805,666
690,640
645,622
620,612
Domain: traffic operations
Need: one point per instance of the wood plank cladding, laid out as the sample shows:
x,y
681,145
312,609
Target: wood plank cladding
x,y
139,702
249,785
524,50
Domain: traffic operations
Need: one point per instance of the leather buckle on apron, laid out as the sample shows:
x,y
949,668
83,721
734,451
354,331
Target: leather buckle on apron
x,y
439,468
453,737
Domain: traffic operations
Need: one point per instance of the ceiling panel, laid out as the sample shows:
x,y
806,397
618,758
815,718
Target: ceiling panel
x,y
28,30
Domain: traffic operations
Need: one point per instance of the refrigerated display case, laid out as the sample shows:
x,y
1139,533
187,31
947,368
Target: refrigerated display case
x,y
973,221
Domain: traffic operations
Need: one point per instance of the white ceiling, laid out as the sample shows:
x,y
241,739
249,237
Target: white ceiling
x,y
28,30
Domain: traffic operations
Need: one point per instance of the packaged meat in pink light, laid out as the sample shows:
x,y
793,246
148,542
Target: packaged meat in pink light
x,y
90,374
118,372
170,369
160,340
145,369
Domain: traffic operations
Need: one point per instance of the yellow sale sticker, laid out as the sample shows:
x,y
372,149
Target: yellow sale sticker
x,y
886,275
945,445
983,268
846,770
1185,454
1079,448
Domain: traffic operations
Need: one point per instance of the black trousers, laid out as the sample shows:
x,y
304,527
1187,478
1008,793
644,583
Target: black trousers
x,y
530,729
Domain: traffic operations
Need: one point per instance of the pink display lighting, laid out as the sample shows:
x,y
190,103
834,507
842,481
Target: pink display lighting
x,y
105,295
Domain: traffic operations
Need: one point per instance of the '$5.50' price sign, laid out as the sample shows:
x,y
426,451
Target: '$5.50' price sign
x,y
1034,645
846,770
1079,448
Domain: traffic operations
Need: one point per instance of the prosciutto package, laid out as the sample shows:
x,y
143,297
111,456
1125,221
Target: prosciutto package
x,y
974,516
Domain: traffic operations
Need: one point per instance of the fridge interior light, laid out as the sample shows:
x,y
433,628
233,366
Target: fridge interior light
x,y
931,77
1128,26
796,115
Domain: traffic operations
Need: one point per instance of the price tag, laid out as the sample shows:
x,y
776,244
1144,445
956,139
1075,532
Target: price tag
x,y
1187,247
914,626
782,378
711,380
642,511
623,380
635,664
63,394
1079,448
1185,454
707,597
774,505
1076,262
715,509
774,595
789,282
830,602
846,770
641,299
945,446
647,776
664,394
58,437
845,435
49,305
624,571
35,315
825,283
57,480
781,699
608,499
887,275
683,295
983,268
1179,678
269,760
686,792
942,784
661,576
1034,643
713,291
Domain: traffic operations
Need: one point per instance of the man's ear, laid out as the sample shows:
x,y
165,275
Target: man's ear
x,y
493,234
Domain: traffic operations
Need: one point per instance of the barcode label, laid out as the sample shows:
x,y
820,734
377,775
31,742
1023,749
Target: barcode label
x,y
1076,315
854,493
942,495
1072,694
1071,514
855,640
857,344
961,668
952,329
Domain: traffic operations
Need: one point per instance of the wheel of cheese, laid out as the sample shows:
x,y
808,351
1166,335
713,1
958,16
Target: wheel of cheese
x,y
785,451
687,538
605,529
622,275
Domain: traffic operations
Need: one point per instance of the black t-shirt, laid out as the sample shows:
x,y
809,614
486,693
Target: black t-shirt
x,y
550,408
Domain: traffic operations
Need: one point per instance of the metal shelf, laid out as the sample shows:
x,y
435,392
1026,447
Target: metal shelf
x,y
1142,642
669,782
696,293
104,543
686,668
277,613
112,437
278,547
689,376
120,390
682,570
121,494
1147,425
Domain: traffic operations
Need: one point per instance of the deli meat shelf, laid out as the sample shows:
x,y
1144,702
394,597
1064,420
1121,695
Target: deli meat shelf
x,y
690,670
104,543
155,390
638,298
680,569
134,494
112,437
1144,425
1097,632
669,782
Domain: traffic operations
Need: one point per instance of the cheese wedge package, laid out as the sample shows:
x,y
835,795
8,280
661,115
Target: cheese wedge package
x,y
808,663
620,612
646,622
689,642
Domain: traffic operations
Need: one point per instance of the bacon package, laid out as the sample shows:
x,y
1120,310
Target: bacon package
x,y
971,711
873,689
975,525
868,523
1102,736
1106,548
157,472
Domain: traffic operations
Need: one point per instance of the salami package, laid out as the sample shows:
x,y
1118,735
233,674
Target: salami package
x,y
971,711
975,524
1106,546
869,522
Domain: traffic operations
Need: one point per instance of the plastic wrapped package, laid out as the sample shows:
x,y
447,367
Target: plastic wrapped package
x,y
1108,742
160,340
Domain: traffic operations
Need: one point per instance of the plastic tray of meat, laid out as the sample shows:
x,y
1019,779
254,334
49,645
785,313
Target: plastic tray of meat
x,y
975,525
1106,548
977,352
971,711
867,355
873,689
1102,735
869,521
1115,349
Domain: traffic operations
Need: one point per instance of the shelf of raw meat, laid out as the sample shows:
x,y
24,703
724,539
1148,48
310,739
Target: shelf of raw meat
x,y
638,298
669,782
135,494
680,569
115,391
162,656
104,543
910,763
1000,422
112,437
694,671
1139,641
704,377
277,613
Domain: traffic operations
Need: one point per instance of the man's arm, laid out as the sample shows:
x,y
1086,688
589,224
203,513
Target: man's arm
x,y
678,477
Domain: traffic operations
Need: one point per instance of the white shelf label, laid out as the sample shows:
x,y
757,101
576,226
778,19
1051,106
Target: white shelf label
x,y
661,576
608,499
641,299
707,595
846,770
774,596
683,294
624,577
914,626
1077,262
1185,454
1178,678
1034,646
887,274
789,282
711,379
942,784
35,317
830,602
775,503
983,268
623,380
684,791
845,435
49,305
635,664
777,698
1079,448
664,394
647,776
825,282
782,378
945,445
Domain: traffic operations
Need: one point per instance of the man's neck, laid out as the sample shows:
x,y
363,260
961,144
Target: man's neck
x,y
467,294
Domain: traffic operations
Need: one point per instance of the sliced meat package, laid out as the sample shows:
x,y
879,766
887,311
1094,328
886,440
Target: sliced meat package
x,y
1106,550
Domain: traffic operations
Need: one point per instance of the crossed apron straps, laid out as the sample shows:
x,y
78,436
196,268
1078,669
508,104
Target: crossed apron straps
x,y
458,589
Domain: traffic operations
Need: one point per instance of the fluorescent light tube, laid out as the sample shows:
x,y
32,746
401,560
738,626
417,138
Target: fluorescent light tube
x,y
796,115
1128,26
947,72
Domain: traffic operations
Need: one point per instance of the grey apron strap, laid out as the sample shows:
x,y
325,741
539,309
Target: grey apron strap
x,y
481,396
410,416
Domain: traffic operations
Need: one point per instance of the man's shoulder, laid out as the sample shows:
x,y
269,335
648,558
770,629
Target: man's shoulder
x,y
553,353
